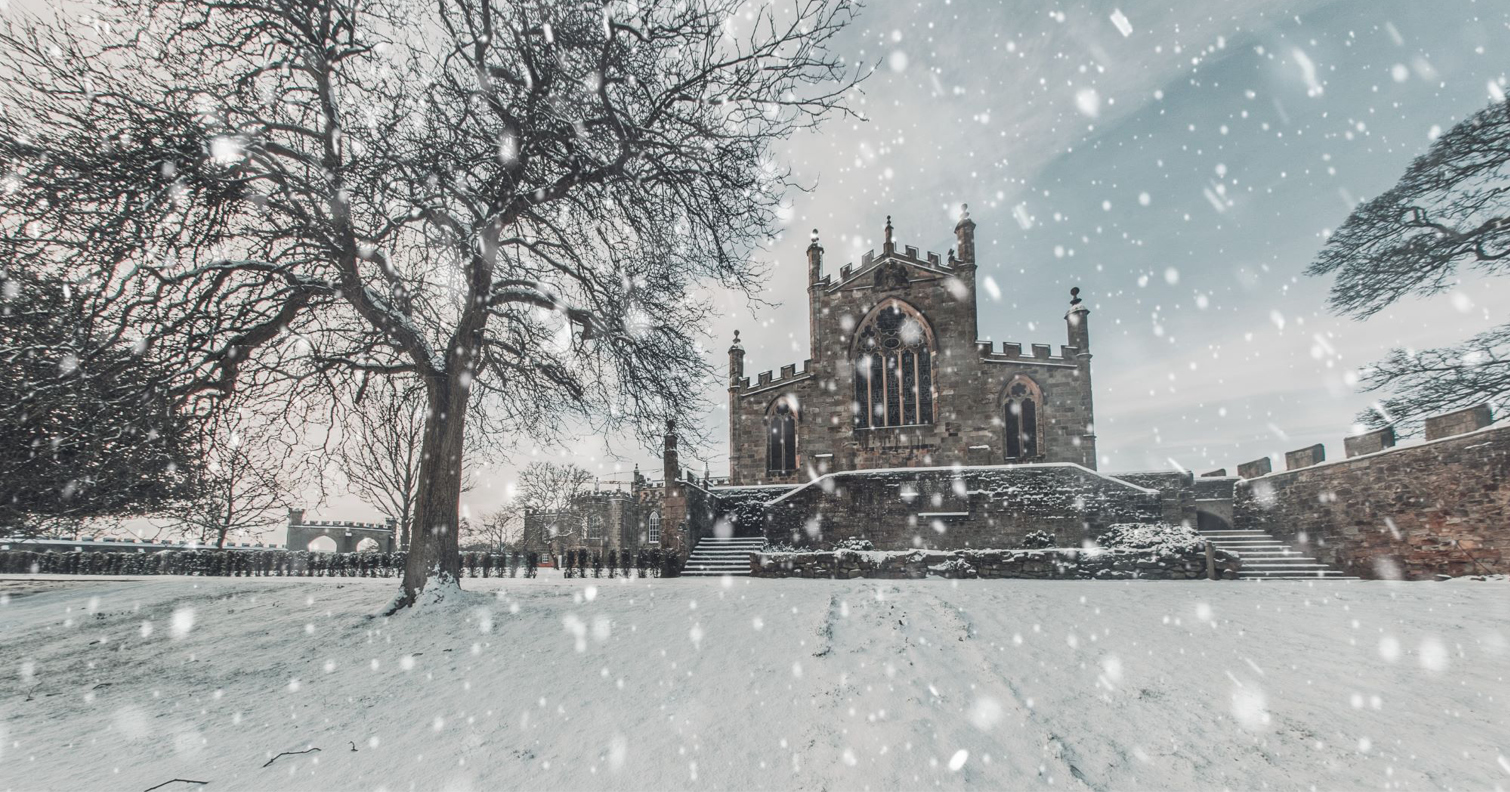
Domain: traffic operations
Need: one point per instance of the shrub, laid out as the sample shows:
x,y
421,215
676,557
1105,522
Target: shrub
x,y
597,565
854,543
1037,540
956,568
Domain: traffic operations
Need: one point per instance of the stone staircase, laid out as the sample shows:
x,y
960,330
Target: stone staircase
x,y
1267,558
714,556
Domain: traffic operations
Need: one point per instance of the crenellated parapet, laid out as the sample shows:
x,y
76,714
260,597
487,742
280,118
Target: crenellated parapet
x,y
768,380
1040,354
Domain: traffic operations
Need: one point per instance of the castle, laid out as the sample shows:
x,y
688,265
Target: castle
x,y
904,429
898,378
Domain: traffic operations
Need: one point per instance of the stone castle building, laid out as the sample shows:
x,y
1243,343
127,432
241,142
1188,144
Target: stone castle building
x,y
897,377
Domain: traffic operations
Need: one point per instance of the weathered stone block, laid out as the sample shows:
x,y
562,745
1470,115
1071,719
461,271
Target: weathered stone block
x,y
1460,422
1305,457
1369,443
1256,468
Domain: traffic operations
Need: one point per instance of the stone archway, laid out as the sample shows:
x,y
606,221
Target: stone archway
x,y
322,544
369,545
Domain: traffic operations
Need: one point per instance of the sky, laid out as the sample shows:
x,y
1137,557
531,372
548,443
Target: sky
x,y
1181,162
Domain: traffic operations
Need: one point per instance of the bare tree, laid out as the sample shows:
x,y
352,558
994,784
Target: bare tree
x,y
495,531
380,456
243,485
512,203
552,491
1449,211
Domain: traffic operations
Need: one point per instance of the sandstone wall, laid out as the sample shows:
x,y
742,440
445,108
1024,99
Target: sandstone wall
x,y
1410,512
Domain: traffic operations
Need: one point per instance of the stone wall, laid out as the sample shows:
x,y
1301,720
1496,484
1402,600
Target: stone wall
x,y
1442,507
1047,564
970,378
950,508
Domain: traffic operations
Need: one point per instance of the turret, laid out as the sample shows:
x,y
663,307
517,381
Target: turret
x,y
964,236
814,311
814,259
736,362
1078,320
671,467
889,246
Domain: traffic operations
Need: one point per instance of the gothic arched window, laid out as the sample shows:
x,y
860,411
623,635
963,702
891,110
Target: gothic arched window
x,y
1021,412
894,368
594,526
781,438
653,528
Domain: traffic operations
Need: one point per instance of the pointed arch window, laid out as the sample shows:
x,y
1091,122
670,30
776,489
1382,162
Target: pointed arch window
x,y
894,356
653,528
1022,410
781,438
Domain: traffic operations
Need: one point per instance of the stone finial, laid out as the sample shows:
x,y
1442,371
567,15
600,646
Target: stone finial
x,y
1078,320
888,229
736,361
814,259
964,232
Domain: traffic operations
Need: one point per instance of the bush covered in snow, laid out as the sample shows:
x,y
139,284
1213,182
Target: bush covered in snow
x,y
1158,538
854,543
1038,539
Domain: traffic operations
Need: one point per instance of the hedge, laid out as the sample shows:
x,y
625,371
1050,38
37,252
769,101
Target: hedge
x,y
250,563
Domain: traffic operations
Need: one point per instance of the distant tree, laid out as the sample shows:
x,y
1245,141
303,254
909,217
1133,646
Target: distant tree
x,y
380,454
494,532
553,491
87,428
1449,211
244,483
511,202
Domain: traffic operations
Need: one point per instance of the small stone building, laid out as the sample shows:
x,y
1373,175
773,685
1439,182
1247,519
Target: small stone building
x,y
897,378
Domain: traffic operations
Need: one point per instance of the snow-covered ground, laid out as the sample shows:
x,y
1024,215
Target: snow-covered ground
x,y
754,684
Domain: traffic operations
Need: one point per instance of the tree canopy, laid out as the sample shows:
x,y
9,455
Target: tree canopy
x,y
1449,212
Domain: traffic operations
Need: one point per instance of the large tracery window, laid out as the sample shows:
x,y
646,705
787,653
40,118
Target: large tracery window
x,y
1020,413
893,369
781,438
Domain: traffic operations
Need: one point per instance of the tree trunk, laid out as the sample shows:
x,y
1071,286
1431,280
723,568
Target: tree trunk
x,y
434,560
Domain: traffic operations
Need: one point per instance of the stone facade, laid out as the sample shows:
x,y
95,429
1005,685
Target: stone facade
x,y
962,391
346,536
951,508
1442,507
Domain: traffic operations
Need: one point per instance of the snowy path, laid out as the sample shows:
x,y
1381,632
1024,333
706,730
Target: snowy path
x,y
756,684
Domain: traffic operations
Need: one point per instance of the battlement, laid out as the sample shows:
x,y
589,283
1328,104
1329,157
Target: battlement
x,y
1380,441
908,254
765,381
360,526
1011,352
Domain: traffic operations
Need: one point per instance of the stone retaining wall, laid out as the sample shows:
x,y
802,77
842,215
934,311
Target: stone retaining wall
x,y
1048,564
1442,507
